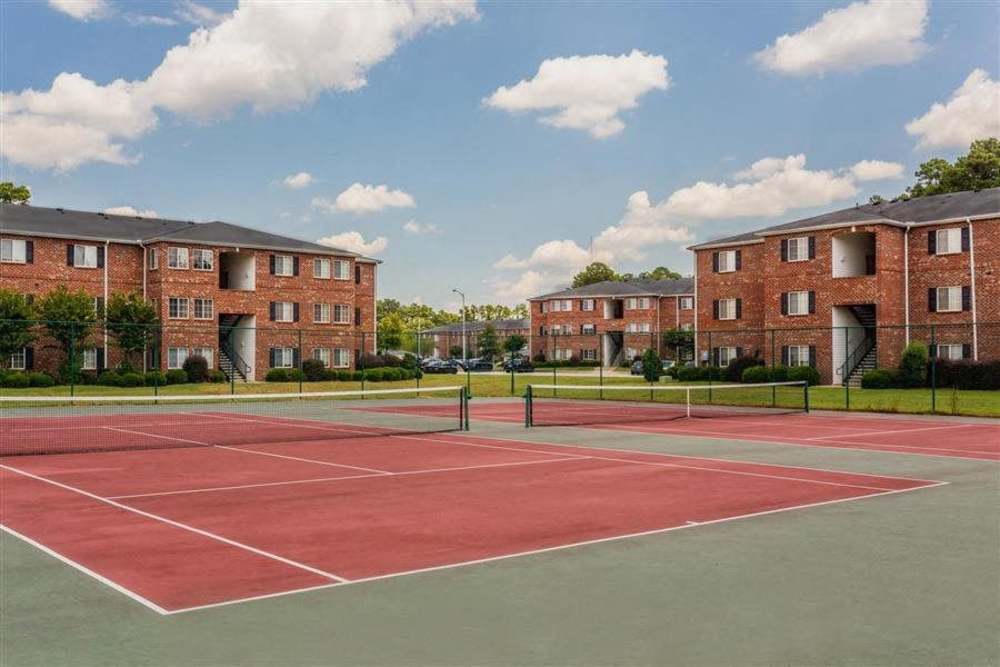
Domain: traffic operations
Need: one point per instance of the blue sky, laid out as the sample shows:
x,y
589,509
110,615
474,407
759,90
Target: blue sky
x,y
702,108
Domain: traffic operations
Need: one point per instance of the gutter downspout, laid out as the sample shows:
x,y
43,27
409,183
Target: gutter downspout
x,y
107,261
697,357
972,278
906,281
145,266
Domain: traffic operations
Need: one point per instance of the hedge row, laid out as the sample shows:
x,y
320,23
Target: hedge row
x,y
964,374
567,363
22,380
760,374
383,374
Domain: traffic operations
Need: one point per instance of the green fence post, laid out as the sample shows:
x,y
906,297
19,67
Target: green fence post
x,y
527,407
805,390
934,369
600,368
845,378
361,362
72,360
511,365
711,360
300,361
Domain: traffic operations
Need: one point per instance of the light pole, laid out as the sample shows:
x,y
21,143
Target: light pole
x,y
465,353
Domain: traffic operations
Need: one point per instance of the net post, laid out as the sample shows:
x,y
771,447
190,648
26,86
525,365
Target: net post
x,y
933,369
846,379
710,365
361,361
687,402
805,392
600,366
528,417
512,373
72,360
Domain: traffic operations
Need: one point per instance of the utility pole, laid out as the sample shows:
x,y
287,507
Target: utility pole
x,y
465,350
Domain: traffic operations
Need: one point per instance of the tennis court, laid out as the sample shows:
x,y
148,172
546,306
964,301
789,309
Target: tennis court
x,y
186,504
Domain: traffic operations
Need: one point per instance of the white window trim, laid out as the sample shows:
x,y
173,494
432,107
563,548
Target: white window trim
x,y
321,313
85,248
21,365
800,243
801,354
176,252
344,308
729,265
955,232
179,300
588,329
732,309
281,262
280,310
202,251
730,353
285,352
584,304
589,355
12,257
343,352
194,308
88,359
337,265
207,353
802,299
319,353
182,359
957,348
322,261
687,302
153,261
958,300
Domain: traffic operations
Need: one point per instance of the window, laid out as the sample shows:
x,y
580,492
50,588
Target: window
x,y
321,313
284,265
14,251
727,309
726,355
85,256
177,258
204,309
727,261
798,303
203,260
89,360
687,302
177,309
283,311
541,307
638,327
19,360
561,305
563,354
563,329
153,259
631,353
342,269
947,241
321,268
951,351
798,355
357,274
586,304
588,328
206,353
322,354
798,249
341,358
283,357
687,327
176,356
542,331
949,299
342,313
588,355
637,303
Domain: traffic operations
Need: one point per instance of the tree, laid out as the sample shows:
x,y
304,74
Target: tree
x,y
659,273
69,318
390,332
455,351
977,170
14,194
595,272
15,324
488,343
652,369
133,323
679,341
514,344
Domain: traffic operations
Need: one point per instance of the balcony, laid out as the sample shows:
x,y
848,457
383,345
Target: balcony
x,y
237,271
853,255
614,309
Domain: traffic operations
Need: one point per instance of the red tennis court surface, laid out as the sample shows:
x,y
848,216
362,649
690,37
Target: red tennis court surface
x,y
972,440
180,529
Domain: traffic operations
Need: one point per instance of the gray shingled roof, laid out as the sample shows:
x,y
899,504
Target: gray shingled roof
x,y
85,225
475,326
621,288
920,210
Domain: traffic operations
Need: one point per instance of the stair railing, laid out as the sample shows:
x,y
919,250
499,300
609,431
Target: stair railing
x,y
239,364
856,356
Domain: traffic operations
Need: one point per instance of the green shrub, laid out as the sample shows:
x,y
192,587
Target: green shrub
x,y
41,379
295,375
880,378
689,374
176,376
913,365
216,376
967,374
109,378
16,380
87,377
375,374
734,371
806,373
125,367
357,376
345,376
313,369
652,367
713,373
756,374
131,380
277,375
196,367
155,379
779,373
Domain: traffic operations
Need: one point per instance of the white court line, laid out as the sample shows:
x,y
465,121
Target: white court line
x,y
86,570
904,430
561,547
177,524
404,473
298,458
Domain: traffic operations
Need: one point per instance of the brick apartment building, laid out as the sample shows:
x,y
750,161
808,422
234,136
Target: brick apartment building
x,y
438,341
612,322
245,299
845,291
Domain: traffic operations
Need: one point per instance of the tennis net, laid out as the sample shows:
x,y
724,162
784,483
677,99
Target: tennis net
x,y
577,405
60,425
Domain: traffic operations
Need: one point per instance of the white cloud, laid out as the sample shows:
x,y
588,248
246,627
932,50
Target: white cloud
x,y
586,92
81,10
972,112
199,15
511,292
131,211
149,19
416,228
564,254
298,181
355,242
265,55
852,38
876,170
363,199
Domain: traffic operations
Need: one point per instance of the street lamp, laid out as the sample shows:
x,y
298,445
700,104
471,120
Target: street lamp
x,y
465,354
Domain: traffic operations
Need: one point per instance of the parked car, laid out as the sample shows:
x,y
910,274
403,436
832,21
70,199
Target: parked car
x,y
636,368
479,365
438,366
518,365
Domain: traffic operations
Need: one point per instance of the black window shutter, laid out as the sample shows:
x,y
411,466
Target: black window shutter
x,y
29,252
295,266
69,254
739,260
29,358
357,274
784,355
357,316
932,299
715,356
272,313
295,312
271,353
812,302
966,298
932,242
100,257
739,352
966,351
784,250
812,356
932,350
812,247
296,357
100,358
784,303
715,309
739,308
272,273
965,239
715,262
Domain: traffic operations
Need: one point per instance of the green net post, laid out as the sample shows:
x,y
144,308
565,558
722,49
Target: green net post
x,y
933,369
711,360
528,406
72,360
300,361
361,363
845,378
805,396
600,368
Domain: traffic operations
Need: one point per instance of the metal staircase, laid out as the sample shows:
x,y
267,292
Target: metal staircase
x,y
864,357
230,362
